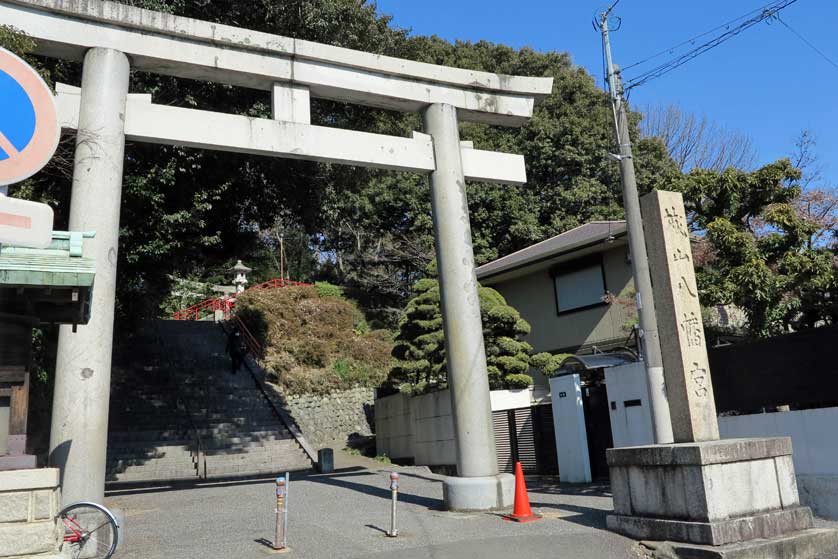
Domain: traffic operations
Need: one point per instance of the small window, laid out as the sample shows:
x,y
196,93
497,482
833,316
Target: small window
x,y
579,285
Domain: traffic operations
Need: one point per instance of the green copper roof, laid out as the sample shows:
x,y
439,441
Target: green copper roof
x,y
60,265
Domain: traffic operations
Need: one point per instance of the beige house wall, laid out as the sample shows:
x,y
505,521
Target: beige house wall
x,y
534,296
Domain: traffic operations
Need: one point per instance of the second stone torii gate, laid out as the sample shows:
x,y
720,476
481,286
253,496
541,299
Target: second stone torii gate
x,y
107,35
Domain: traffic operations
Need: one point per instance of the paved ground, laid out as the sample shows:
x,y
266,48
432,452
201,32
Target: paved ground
x,y
346,513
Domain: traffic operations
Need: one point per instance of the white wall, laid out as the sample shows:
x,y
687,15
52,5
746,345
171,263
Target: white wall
x,y
815,444
569,425
813,435
630,425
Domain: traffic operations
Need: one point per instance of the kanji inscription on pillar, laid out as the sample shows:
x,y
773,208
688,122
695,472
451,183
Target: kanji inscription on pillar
x,y
683,346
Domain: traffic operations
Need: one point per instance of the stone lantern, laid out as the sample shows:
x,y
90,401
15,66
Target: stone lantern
x,y
240,278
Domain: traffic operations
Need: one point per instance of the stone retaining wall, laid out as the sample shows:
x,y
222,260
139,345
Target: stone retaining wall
x,y
332,419
29,502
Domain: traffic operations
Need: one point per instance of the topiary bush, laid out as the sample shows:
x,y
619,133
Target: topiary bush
x,y
420,343
548,363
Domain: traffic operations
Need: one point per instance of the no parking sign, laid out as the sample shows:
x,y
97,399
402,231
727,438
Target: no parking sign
x,y
29,134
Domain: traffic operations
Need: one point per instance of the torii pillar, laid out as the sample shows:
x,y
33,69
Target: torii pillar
x,y
478,485
78,440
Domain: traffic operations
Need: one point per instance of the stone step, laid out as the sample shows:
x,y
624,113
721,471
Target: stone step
x,y
286,446
247,471
140,454
149,476
168,436
278,461
157,465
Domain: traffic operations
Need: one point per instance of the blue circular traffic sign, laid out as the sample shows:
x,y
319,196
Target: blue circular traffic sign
x,y
29,128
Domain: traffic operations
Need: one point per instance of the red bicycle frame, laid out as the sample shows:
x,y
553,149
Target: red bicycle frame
x,y
76,530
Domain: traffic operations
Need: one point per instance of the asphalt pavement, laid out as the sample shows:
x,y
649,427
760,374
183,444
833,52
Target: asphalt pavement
x,y
346,514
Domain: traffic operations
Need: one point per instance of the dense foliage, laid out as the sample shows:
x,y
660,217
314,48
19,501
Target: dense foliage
x,y
189,213
758,251
420,345
314,340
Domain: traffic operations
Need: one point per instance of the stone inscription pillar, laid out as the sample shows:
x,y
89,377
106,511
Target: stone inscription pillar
x,y
683,346
78,440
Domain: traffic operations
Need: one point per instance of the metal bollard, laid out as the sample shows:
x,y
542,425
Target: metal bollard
x,y
394,488
280,540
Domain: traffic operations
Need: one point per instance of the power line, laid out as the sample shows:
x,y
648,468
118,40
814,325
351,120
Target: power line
x,y
802,38
767,11
611,9
692,40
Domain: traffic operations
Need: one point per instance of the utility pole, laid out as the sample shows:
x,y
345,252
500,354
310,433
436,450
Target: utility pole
x,y
648,333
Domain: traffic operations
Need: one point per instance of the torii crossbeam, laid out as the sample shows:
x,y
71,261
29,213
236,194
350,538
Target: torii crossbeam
x,y
107,35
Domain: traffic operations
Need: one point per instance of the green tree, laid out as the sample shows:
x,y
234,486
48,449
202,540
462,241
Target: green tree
x,y
759,256
188,213
420,344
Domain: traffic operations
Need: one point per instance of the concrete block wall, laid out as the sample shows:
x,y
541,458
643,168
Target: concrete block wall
x,y
394,427
815,454
422,427
434,443
330,420
29,503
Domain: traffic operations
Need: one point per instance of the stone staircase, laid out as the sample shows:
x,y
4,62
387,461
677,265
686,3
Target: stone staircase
x,y
178,414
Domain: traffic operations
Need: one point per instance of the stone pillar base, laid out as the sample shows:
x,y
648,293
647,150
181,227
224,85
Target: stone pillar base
x,y
478,493
713,493
807,544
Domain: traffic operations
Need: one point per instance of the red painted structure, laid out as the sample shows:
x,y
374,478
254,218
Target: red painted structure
x,y
208,307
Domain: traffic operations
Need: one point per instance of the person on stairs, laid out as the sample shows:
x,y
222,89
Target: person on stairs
x,y
236,349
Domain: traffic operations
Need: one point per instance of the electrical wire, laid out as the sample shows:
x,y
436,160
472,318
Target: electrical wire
x,y
767,11
611,9
692,40
802,38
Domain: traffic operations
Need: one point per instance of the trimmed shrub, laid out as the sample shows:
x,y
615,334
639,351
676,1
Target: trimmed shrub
x,y
420,343
548,363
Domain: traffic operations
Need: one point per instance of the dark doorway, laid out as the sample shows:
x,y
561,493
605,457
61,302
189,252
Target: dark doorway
x,y
598,427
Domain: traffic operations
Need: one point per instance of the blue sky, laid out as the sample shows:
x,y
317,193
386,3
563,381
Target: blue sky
x,y
765,82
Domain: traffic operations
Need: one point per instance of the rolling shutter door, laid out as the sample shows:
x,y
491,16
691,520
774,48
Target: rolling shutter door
x,y
503,442
526,441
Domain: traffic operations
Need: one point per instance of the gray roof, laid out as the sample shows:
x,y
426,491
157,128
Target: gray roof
x,y
582,236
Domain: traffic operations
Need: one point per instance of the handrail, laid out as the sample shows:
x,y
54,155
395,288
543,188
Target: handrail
x,y
253,345
279,412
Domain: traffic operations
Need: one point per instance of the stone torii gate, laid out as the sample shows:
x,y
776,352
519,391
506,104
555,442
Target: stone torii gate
x,y
112,38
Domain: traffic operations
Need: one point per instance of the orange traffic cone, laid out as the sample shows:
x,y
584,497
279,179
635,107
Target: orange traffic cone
x,y
521,512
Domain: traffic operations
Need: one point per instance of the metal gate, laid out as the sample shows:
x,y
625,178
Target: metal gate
x,y
525,435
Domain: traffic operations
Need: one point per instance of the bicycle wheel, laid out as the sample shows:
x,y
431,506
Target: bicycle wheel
x,y
90,530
